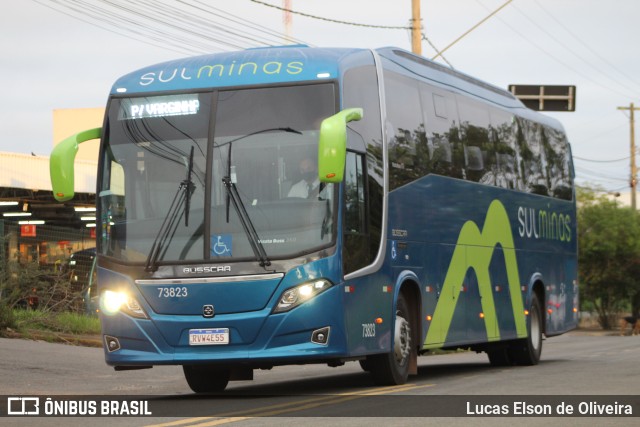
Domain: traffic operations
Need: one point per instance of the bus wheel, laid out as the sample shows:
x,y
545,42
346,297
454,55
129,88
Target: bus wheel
x,y
393,368
527,351
206,379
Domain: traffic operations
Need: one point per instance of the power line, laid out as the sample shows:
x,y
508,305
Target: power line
x,y
601,161
571,51
585,45
179,21
473,28
543,50
425,38
335,21
194,28
124,20
157,14
243,21
599,175
112,27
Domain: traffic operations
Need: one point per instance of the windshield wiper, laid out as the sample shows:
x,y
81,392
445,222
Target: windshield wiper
x,y
285,129
234,197
230,144
247,225
189,189
172,219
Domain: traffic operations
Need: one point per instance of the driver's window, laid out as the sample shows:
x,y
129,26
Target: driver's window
x,y
356,235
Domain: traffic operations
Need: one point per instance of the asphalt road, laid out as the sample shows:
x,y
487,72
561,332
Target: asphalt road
x,y
578,363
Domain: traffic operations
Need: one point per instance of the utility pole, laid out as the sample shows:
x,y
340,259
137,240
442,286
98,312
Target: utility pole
x,y
286,19
416,30
634,171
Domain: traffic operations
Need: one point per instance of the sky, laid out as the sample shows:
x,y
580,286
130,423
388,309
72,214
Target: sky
x,y
57,54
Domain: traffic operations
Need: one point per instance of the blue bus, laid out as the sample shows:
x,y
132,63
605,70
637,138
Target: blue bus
x,y
298,205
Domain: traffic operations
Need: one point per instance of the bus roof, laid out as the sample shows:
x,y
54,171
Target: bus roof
x,y
300,63
247,67
418,66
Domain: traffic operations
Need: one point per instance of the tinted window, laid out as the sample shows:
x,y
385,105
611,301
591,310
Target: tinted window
x,y
361,90
356,236
408,151
479,150
533,164
445,153
558,164
503,136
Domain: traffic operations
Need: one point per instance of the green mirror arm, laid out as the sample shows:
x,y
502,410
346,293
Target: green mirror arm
x,y
351,114
332,144
61,168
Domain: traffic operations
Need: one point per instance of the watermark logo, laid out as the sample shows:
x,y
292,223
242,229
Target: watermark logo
x,y
23,406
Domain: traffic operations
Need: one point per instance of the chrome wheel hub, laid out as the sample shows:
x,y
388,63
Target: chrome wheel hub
x,y
402,340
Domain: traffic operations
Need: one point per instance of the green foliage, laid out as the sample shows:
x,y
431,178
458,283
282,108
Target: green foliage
x,y
76,323
65,322
30,286
609,255
7,319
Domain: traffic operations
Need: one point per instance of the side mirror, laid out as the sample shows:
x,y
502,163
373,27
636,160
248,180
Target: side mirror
x,y
61,167
332,144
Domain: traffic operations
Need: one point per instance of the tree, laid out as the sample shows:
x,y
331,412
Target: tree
x,y
609,255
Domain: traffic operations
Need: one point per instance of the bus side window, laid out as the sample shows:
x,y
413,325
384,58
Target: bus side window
x,y
534,164
407,143
354,194
503,134
356,236
479,149
440,116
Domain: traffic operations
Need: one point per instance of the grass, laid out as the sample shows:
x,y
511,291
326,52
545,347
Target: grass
x,y
68,323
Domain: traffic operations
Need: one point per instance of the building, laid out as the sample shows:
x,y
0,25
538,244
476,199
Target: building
x,y
34,227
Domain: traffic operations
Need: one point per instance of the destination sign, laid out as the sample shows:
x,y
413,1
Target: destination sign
x,y
159,106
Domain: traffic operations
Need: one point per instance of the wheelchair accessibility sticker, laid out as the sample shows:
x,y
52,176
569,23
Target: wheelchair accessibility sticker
x,y
221,245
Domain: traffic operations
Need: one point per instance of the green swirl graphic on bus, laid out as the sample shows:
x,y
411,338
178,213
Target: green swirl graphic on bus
x,y
474,249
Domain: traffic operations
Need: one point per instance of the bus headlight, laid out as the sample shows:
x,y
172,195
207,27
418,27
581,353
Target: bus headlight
x,y
297,295
111,302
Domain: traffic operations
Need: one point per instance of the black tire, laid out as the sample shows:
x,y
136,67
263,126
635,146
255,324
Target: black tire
x,y
206,379
527,351
365,364
393,368
499,357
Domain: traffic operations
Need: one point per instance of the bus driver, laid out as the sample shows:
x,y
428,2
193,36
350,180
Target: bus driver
x,y
309,185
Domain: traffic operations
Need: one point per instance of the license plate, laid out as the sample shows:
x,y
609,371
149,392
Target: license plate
x,y
219,336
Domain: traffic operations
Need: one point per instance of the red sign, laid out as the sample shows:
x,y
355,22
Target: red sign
x,y
92,233
28,231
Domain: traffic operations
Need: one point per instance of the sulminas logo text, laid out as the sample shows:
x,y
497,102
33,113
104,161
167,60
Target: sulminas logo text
x,y
544,224
221,71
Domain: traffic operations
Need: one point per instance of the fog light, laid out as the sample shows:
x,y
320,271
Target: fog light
x,y
321,336
112,343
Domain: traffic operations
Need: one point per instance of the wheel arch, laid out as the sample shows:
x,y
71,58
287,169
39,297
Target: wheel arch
x,y
538,289
408,285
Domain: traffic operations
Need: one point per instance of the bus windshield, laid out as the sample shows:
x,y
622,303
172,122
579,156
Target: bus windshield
x,y
231,174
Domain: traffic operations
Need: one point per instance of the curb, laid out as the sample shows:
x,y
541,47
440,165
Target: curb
x,y
57,337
